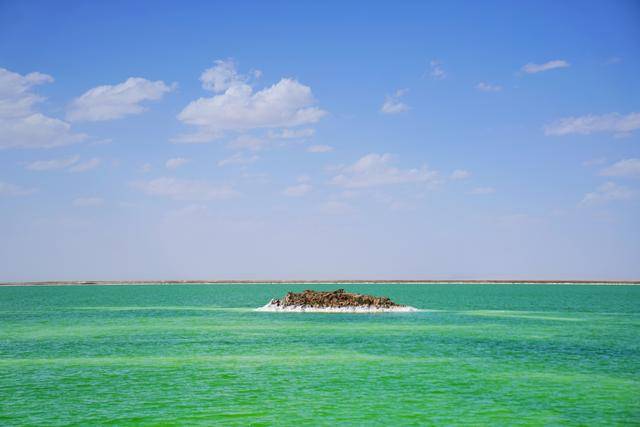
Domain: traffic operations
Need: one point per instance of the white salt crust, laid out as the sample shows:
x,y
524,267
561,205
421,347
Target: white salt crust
x,y
354,309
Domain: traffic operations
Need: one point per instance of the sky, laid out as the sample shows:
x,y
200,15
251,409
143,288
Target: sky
x,y
319,140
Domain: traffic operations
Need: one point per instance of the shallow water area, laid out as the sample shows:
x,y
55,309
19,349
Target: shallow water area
x,y
277,308
202,355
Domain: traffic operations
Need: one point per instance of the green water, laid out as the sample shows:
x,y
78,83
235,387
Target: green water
x,y
188,355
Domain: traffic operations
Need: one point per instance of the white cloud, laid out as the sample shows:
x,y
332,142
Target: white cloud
x,y
86,166
319,148
615,123
7,189
183,189
238,159
292,134
435,70
53,164
20,125
237,107
221,76
608,192
460,174
36,131
84,202
377,169
488,87
70,163
110,102
16,98
176,162
532,68
247,142
626,167
297,190
480,191
392,103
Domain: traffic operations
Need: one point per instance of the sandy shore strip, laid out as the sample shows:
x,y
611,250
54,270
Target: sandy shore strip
x,y
323,282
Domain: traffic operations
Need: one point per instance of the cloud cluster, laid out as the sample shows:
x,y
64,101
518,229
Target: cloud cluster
x,y
221,76
392,103
86,166
532,68
436,71
460,174
608,192
615,123
623,168
176,162
53,164
21,126
110,102
377,169
292,133
184,189
16,98
488,87
237,107
71,164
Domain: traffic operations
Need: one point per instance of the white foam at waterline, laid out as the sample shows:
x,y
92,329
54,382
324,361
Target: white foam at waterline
x,y
353,309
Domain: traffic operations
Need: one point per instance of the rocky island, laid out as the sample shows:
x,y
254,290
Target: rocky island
x,y
333,302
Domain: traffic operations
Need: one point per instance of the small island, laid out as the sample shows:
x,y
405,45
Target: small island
x,y
337,301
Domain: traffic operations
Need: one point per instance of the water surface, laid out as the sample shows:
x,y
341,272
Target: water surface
x,y
199,354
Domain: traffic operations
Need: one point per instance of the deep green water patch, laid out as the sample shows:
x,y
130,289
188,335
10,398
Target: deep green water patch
x,y
148,355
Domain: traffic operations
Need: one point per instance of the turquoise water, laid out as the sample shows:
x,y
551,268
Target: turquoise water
x,y
176,355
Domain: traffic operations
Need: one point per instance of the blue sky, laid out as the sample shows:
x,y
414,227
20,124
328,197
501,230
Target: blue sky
x,y
311,140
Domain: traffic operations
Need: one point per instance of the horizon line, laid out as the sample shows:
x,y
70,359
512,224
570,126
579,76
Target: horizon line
x,y
315,281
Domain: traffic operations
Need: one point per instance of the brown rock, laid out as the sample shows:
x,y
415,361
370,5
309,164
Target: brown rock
x,y
337,298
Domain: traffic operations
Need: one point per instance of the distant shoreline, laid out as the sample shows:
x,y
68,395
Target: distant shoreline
x,y
324,282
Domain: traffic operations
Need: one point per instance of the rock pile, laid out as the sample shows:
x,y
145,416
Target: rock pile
x,y
333,299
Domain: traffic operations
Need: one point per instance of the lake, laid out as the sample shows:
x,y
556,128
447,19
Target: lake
x,y
199,354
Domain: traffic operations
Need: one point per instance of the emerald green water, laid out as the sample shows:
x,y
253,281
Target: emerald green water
x,y
187,355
